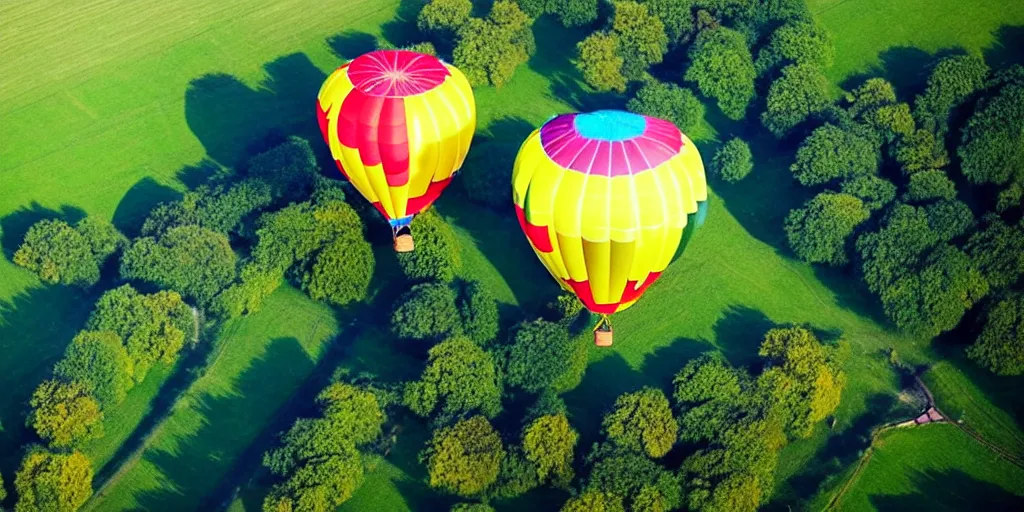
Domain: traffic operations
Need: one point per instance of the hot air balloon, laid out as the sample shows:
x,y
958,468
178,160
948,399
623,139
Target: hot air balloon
x,y
607,200
399,124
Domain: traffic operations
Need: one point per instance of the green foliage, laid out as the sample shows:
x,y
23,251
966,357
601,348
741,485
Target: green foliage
x,y
548,403
801,42
831,153
464,459
192,260
871,95
1010,197
437,253
52,482
929,185
874,104
342,270
998,252
642,421
355,413
247,295
549,442
58,253
427,311
711,396
153,327
574,13
425,47
676,16
443,18
488,171
953,80
478,312
949,219
803,376
290,170
536,8
934,299
733,161
460,379
820,231
1000,346
600,62
219,208
799,93
99,362
894,249
471,507
723,69
541,355
874,191
668,101
630,474
516,477
992,149
594,501
295,233
918,151
323,483
65,414
489,50
642,39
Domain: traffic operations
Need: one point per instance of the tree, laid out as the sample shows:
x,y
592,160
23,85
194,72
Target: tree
x,y
600,63
153,327
998,251
929,185
810,381
471,507
934,299
642,39
668,101
443,18
895,248
103,238
800,92
874,104
992,148
426,312
953,80
342,271
52,482
820,231
1010,197
488,171
99,362
874,191
918,151
355,413
549,442
1000,346
321,484
247,295
733,161
575,13
594,501
221,208
642,421
460,379
630,474
65,414
58,253
192,260
831,153
464,459
711,396
478,312
436,256
295,233
800,42
289,169
309,440
676,16
723,69
489,50
542,355
949,218
516,477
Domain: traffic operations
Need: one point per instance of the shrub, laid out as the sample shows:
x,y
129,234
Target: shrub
x,y
99,362
668,101
58,253
436,256
426,312
820,231
194,261
733,161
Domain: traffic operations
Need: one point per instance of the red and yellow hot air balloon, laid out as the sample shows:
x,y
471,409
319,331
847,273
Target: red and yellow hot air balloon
x,y
399,124
607,200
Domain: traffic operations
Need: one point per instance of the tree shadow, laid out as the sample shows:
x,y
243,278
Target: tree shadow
x,y
15,225
554,60
194,176
401,30
905,67
136,204
950,490
351,44
739,333
602,383
35,327
1008,48
851,293
665,362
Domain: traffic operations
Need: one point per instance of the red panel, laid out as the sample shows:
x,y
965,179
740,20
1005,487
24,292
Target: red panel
x,y
418,204
393,141
366,130
537,234
342,169
396,73
348,119
631,293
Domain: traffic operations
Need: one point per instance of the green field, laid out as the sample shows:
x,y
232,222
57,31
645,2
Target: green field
x,y
135,102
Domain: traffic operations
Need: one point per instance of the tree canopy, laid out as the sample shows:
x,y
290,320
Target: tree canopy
x,y
876,192
99,362
464,459
992,150
542,355
896,246
668,101
801,91
733,161
631,476
52,482
600,63
58,253
549,442
800,42
436,256
642,39
642,421
65,414
831,153
929,185
723,69
444,18
1000,346
460,379
953,80
342,270
192,260
820,231
676,16
427,311
998,251
478,313
490,49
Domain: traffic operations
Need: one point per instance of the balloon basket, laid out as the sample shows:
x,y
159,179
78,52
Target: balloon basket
x,y
603,338
403,240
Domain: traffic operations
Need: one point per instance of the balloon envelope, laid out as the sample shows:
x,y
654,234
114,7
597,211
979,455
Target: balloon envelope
x,y
605,199
399,124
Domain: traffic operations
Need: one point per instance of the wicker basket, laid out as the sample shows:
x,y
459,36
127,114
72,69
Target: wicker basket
x,y
603,338
403,243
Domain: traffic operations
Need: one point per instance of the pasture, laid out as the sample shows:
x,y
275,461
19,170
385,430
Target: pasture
x,y
136,102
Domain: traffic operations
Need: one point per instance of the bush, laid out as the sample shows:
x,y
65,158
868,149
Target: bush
x,y
1000,346
489,50
733,161
426,312
642,421
600,63
929,185
874,191
831,153
99,362
723,69
668,101
194,261
436,256
460,379
65,414
951,83
541,356
820,231
801,42
58,253
478,312
52,482
464,459
341,271
799,93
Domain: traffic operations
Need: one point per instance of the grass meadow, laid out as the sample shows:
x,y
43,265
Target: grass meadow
x,y
135,102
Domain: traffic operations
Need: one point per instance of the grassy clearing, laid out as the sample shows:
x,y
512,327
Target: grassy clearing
x,y
924,468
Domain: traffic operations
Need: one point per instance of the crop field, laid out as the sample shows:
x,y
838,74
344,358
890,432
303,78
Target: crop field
x,y
136,102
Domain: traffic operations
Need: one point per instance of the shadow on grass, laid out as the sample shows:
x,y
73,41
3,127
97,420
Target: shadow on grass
x,y
401,30
951,490
553,59
905,67
136,204
351,44
14,225
1008,48
739,333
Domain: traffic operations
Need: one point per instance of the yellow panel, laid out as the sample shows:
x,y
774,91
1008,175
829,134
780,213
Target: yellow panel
x,y
571,250
356,172
619,267
595,208
424,145
526,163
567,201
598,256
623,209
